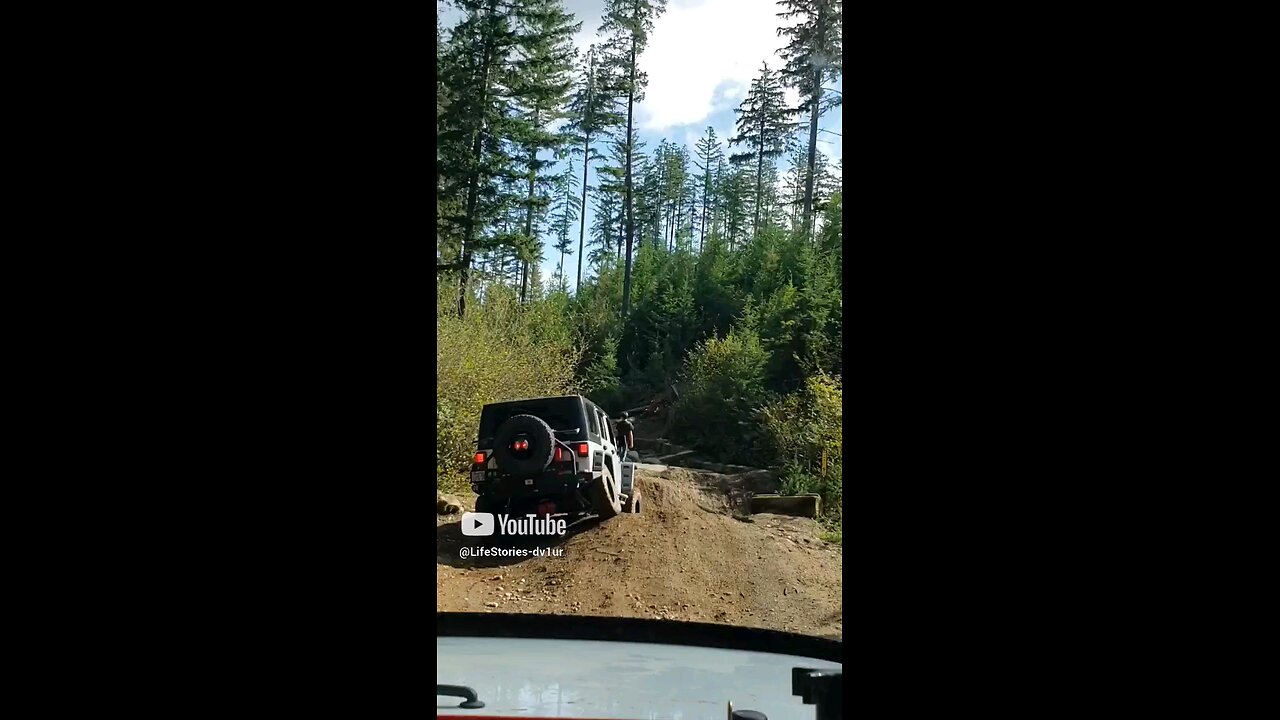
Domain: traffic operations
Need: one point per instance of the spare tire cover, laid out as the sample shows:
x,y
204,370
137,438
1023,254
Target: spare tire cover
x,y
542,445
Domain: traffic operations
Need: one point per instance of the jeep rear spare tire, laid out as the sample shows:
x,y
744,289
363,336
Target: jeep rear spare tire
x,y
542,445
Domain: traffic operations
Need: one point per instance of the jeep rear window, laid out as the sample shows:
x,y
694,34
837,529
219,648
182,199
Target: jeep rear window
x,y
559,413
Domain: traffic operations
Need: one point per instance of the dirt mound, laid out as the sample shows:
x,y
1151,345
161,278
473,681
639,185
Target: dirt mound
x,y
676,492
686,556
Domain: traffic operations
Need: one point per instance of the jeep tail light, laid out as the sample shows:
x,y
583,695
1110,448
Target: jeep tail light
x,y
583,449
479,458
521,445
559,454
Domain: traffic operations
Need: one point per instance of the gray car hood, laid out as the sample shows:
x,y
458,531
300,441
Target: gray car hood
x,y
635,681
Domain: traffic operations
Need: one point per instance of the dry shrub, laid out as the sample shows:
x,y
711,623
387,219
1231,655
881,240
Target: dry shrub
x,y
500,351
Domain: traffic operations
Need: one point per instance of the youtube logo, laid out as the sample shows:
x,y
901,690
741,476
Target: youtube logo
x,y
477,524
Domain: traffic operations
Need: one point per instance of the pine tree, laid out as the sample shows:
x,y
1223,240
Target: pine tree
x,y
473,123
648,190
511,245
771,207
627,24
593,112
825,184
604,229
446,206
719,185
736,185
794,181
675,167
540,82
763,125
813,54
709,156
564,214
691,195
613,178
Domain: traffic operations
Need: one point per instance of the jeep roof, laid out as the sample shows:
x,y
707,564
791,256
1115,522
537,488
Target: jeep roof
x,y
564,413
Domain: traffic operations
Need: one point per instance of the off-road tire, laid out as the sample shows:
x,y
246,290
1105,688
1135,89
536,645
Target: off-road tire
x,y
634,504
604,501
542,445
486,505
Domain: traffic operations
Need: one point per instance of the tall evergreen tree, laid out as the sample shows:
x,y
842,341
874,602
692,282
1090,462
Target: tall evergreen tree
x,y
737,198
794,181
709,156
446,206
604,229
719,184
648,188
763,126
626,25
691,194
472,131
675,168
592,112
563,216
825,184
540,83
774,210
813,54
613,175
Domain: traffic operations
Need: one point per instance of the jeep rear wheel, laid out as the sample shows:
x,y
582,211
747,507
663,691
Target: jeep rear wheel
x,y
603,496
485,504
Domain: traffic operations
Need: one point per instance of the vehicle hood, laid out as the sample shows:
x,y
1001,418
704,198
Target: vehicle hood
x,y
520,677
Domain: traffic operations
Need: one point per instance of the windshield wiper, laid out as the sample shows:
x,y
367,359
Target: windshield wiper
x,y
471,700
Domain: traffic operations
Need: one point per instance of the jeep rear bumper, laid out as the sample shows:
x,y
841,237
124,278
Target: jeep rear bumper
x,y
537,486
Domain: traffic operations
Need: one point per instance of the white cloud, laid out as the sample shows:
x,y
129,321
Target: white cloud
x,y
829,149
696,49
587,36
792,96
733,91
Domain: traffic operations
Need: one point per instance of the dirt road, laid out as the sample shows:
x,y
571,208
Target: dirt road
x,y
690,555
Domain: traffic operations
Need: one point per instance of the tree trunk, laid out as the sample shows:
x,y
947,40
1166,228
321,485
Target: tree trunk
x,y
813,152
473,187
693,214
582,210
706,189
671,224
631,220
755,226
677,223
528,214
715,202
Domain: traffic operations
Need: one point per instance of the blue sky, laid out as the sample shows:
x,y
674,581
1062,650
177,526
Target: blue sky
x,y
702,56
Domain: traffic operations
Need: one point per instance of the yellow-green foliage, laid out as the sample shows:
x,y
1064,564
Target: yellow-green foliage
x,y
500,351
800,428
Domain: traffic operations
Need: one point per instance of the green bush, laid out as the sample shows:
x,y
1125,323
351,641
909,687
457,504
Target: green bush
x,y
802,428
722,384
500,351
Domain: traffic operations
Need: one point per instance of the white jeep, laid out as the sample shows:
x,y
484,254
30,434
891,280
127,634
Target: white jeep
x,y
551,456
